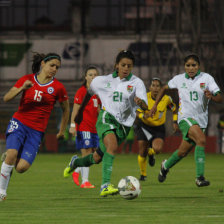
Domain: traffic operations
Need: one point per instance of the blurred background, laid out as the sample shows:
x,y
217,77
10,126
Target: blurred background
x,y
83,32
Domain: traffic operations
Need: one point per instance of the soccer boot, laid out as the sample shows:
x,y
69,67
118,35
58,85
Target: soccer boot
x,y
87,184
75,177
163,172
152,160
2,197
69,169
108,190
201,182
142,178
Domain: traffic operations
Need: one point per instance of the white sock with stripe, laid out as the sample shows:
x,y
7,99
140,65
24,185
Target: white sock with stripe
x,y
5,177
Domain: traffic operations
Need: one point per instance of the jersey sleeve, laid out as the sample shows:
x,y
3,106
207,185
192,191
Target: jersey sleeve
x,y
141,91
62,94
172,83
20,81
79,96
212,86
96,82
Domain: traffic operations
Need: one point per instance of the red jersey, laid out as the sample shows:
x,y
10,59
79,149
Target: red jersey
x,y
90,112
38,101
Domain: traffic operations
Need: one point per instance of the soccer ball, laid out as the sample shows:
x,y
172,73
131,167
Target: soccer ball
x,y
129,187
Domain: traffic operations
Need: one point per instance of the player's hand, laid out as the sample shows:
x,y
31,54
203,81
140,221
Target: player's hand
x,y
175,127
27,84
138,101
72,131
208,94
153,110
60,135
146,114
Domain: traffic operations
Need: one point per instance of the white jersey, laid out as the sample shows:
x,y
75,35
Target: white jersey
x,y
117,95
192,101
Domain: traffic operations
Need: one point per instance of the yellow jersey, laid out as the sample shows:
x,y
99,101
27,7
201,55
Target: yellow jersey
x,y
160,116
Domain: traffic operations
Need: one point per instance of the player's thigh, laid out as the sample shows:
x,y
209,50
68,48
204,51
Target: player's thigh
x,y
11,156
197,135
86,152
22,166
143,147
184,148
157,144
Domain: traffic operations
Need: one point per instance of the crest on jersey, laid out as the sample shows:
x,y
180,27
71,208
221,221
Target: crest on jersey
x,y
202,85
129,88
184,85
50,90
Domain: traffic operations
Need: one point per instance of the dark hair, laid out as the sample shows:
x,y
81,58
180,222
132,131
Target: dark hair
x,y
85,72
193,56
125,54
37,58
156,79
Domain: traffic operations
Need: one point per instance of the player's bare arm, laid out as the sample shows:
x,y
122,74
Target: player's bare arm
x,y
13,92
65,117
86,99
141,103
72,129
158,98
218,98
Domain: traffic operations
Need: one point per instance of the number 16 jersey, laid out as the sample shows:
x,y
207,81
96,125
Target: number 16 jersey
x,y
38,101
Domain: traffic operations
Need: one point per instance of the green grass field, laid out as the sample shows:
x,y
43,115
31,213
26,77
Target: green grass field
x,y
42,195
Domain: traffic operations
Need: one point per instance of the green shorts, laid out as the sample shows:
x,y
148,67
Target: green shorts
x,y
184,126
106,123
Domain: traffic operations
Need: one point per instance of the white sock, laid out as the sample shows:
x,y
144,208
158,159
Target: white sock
x,y
5,177
85,174
78,170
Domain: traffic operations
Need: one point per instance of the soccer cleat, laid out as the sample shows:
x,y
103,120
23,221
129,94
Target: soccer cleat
x,y
87,184
108,190
75,177
142,178
163,172
201,182
69,169
152,160
2,197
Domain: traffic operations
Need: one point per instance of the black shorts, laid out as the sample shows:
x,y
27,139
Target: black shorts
x,y
147,133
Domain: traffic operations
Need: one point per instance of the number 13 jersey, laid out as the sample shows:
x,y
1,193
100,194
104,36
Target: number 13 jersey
x,y
192,100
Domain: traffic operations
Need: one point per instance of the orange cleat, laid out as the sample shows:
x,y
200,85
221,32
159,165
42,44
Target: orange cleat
x,y
87,184
75,177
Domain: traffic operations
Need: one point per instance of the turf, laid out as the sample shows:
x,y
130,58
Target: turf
x,y
42,195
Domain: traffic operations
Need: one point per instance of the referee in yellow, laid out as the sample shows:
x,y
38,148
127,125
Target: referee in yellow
x,y
150,131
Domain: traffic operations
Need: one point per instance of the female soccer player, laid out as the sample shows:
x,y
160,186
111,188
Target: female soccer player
x,y
40,91
195,90
151,131
87,140
121,94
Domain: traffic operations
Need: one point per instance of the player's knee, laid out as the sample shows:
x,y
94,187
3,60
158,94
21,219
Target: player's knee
x,y
98,156
20,169
201,141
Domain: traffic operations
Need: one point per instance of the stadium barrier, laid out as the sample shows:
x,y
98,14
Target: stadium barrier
x,y
50,144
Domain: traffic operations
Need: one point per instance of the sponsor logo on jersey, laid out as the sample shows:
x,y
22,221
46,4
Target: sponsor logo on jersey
x,y
50,90
108,85
129,88
202,85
